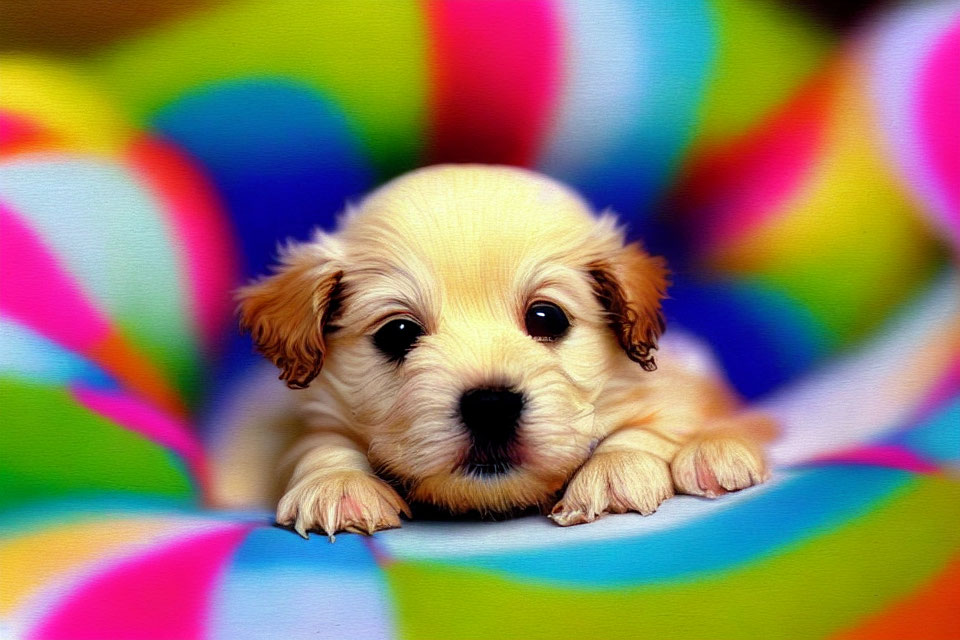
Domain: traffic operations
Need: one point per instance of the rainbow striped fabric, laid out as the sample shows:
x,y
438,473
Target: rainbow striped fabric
x,y
806,189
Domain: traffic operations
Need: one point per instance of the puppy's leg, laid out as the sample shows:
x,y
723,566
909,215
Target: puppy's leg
x,y
628,471
333,488
726,456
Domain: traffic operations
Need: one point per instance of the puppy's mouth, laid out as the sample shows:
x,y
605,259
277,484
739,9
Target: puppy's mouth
x,y
486,469
488,462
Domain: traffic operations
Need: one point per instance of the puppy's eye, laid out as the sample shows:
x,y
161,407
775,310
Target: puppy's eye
x,y
396,338
546,321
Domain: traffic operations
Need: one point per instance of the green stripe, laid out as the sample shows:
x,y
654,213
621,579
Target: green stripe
x,y
764,52
807,590
879,274
50,446
368,58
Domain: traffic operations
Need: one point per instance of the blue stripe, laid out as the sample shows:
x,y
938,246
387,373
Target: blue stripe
x,y
283,157
813,501
676,42
28,355
937,438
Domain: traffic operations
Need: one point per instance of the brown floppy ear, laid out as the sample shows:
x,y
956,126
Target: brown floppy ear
x,y
287,311
630,285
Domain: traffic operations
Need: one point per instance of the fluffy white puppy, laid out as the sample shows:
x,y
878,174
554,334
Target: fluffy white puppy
x,y
482,341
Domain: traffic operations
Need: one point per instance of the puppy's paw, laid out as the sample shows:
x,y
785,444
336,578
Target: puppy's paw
x,y
614,482
347,501
713,466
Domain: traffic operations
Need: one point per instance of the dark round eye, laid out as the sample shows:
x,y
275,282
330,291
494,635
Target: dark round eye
x,y
546,321
396,338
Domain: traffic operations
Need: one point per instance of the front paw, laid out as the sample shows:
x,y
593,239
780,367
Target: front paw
x,y
341,501
713,466
614,482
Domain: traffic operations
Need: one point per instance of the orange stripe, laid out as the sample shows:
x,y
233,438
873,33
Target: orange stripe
x,y
135,372
34,559
931,613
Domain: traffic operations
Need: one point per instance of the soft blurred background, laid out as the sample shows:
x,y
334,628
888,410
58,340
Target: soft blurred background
x,y
797,162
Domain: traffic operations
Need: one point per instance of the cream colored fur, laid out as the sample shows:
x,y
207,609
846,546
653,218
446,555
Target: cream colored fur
x,y
463,250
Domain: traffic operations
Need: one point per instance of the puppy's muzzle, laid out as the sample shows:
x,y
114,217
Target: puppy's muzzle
x,y
491,416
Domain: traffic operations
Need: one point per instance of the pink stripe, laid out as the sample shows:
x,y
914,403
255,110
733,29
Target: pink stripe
x,y
892,456
939,120
776,170
39,293
495,75
740,186
166,593
149,422
198,223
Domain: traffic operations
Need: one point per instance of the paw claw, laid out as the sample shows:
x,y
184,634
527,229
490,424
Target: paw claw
x,y
353,501
614,482
570,518
299,528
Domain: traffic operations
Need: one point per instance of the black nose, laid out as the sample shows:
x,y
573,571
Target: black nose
x,y
491,415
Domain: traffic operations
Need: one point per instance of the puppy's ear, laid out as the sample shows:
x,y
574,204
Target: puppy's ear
x,y
287,311
630,285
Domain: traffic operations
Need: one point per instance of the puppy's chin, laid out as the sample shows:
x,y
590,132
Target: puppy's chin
x,y
463,491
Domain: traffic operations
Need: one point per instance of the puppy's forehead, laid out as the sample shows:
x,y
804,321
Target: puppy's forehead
x,y
454,217
470,237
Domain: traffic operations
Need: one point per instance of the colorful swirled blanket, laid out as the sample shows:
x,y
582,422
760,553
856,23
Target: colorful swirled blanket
x,y
805,187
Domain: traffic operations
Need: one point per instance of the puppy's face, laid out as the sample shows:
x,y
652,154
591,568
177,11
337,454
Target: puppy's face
x,y
466,319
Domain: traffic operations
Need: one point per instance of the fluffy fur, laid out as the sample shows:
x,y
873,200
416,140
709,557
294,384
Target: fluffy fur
x,y
464,250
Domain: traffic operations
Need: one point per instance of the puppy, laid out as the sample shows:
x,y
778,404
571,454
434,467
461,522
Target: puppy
x,y
478,336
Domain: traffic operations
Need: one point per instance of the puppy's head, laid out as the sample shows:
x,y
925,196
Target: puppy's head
x,y
466,319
